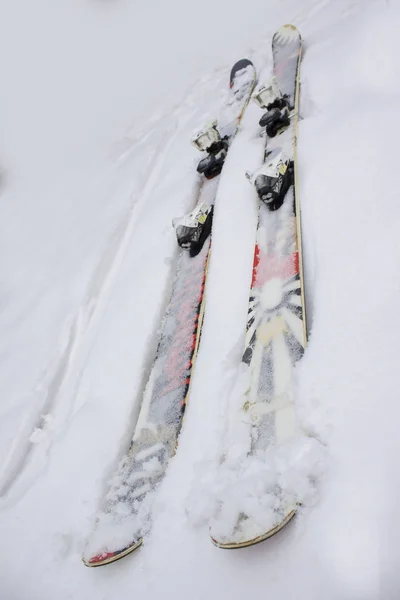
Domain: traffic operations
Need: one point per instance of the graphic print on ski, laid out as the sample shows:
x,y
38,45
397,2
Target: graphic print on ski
x,y
276,326
125,515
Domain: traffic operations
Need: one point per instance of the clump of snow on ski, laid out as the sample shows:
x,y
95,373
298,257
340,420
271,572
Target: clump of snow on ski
x,y
266,486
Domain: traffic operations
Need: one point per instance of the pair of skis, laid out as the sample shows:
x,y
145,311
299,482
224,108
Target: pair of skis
x,y
275,335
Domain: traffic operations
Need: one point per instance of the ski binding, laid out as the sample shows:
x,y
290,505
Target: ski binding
x,y
273,179
209,140
271,98
193,229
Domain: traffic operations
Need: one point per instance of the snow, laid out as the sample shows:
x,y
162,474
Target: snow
x,y
99,101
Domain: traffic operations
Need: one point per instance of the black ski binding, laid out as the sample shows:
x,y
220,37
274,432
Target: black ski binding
x,y
277,116
193,229
273,180
209,140
211,165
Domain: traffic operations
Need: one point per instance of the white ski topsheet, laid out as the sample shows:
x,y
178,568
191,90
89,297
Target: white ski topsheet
x,y
86,252
286,45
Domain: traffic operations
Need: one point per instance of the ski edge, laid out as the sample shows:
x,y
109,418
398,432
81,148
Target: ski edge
x,y
260,538
296,196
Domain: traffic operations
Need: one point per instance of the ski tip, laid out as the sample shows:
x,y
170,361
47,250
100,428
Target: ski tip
x,y
238,66
286,34
106,558
245,543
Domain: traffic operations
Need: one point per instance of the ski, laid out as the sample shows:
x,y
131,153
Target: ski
x,y
256,504
126,512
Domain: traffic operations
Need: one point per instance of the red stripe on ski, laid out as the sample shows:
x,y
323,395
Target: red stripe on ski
x,y
103,556
271,266
179,361
255,264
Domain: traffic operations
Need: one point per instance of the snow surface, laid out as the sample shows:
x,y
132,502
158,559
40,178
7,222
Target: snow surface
x,y
99,101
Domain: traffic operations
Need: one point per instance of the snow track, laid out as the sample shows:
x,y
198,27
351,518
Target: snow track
x,y
56,394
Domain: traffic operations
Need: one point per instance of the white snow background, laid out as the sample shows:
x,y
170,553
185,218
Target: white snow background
x,y
98,102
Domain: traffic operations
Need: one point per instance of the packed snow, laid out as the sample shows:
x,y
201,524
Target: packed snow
x,y
99,102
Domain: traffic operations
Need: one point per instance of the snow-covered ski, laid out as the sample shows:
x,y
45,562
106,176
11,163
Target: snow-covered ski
x,y
256,504
125,515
